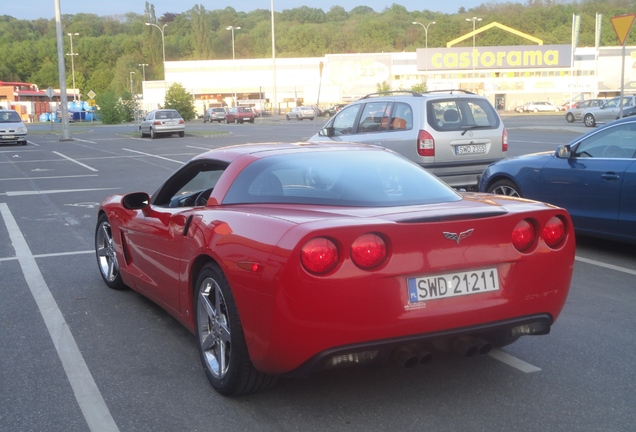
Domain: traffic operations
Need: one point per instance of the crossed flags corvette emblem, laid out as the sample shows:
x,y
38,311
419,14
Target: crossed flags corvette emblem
x,y
458,237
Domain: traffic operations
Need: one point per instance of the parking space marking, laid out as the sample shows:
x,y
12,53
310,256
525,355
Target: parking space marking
x,y
513,361
605,265
155,156
49,177
86,141
53,191
87,394
75,161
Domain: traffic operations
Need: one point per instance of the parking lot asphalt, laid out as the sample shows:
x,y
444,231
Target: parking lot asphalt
x,y
78,356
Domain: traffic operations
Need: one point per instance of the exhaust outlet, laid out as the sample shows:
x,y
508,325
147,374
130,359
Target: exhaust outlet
x,y
465,346
406,358
424,356
483,347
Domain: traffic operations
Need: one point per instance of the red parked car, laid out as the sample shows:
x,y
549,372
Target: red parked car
x,y
286,259
239,115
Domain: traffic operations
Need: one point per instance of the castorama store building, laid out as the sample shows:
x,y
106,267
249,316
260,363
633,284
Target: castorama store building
x,y
507,75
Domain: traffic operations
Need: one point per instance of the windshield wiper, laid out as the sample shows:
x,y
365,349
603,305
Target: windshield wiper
x,y
471,127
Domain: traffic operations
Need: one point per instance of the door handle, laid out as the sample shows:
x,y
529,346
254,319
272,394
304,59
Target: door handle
x,y
610,176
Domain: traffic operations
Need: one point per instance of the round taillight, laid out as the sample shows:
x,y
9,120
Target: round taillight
x,y
319,255
368,251
523,236
554,232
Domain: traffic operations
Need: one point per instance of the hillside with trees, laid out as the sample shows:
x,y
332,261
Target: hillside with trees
x,y
108,47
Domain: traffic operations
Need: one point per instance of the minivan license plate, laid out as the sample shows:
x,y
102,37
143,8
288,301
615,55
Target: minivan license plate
x,y
452,284
470,149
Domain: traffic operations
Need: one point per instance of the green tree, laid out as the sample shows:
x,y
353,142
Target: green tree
x,y
177,98
109,111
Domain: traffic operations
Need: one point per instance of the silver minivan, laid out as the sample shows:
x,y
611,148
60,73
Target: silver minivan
x,y
453,134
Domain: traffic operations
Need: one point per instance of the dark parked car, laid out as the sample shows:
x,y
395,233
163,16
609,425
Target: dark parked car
x,y
593,177
215,115
329,112
239,115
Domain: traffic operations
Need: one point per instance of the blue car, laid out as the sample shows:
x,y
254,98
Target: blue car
x,y
593,177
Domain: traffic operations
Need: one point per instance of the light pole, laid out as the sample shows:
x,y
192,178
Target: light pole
x,y
232,28
143,70
163,45
274,101
474,20
72,54
132,91
425,27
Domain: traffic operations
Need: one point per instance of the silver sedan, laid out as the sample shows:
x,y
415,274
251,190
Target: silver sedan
x,y
163,121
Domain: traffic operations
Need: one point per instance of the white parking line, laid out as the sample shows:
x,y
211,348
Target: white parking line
x,y
87,394
77,162
155,156
513,361
54,191
605,265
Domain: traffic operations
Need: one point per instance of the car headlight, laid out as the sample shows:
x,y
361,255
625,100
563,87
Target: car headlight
x,y
22,129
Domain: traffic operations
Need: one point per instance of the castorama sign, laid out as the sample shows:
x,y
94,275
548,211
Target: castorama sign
x,y
499,57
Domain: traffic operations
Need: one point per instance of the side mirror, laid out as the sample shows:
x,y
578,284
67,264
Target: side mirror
x,y
327,131
563,152
136,200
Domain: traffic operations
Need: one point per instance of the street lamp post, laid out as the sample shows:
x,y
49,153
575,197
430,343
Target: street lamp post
x,y
425,27
474,20
163,45
232,28
72,54
132,91
143,70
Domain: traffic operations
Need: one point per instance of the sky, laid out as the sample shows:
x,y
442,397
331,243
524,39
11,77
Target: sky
x,y
34,9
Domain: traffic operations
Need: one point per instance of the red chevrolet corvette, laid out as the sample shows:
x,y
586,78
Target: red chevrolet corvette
x,y
285,259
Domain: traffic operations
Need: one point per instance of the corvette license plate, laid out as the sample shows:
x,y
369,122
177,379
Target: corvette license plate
x,y
452,284
470,149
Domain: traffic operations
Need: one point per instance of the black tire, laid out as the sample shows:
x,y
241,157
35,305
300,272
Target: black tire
x,y
252,121
220,337
536,110
505,187
143,135
226,121
327,115
569,117
105,253
287,116
181,134
589,120
152,134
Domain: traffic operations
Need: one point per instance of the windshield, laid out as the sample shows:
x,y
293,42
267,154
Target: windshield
x,y
10,117
340,178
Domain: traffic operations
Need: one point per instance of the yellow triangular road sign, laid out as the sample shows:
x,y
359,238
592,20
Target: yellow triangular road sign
x,y
622,25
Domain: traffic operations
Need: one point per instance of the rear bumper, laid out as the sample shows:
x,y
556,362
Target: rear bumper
x,y
496,334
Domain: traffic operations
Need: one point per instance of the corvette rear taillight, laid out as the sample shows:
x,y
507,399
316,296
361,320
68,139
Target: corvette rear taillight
x,y
319,255
523,236
368,251
504,141
425,144
554,232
